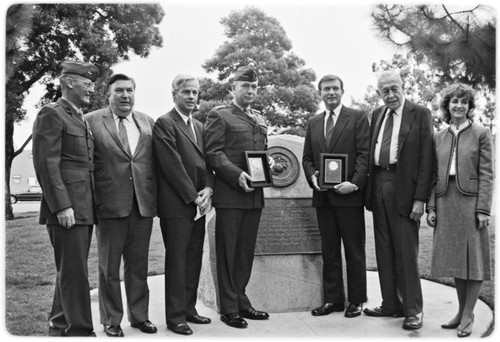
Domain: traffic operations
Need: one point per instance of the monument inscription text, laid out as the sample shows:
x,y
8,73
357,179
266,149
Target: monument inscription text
x,y
288,226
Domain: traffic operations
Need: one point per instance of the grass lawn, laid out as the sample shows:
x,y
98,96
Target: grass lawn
x,y
30,270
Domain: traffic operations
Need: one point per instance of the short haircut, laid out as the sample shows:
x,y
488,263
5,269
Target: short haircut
x,y
458,90
328,78
389,74
180,79
119,77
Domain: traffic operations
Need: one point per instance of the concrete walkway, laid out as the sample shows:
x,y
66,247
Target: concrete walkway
x,y
440,304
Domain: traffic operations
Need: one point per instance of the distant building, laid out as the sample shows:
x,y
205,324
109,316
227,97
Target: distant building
x,y
22,173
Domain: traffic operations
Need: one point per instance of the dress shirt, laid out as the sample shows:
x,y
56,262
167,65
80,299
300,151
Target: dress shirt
x,y
456,130
393,154
185,118
133,132
336,113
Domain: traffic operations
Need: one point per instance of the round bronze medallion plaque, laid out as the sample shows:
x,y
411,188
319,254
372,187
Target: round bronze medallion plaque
x,y
286,169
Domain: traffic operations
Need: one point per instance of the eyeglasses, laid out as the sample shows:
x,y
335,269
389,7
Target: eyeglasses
x,y
87,84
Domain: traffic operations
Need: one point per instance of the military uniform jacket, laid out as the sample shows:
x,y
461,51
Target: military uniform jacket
x,y
229,132
63,151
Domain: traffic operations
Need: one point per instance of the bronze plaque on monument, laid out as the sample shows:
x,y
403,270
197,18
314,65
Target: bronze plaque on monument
x,y
288,226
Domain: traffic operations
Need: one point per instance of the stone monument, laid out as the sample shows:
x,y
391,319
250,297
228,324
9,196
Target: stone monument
x,y
287,268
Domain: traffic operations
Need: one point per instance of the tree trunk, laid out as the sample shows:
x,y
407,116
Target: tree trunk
x,y
9,156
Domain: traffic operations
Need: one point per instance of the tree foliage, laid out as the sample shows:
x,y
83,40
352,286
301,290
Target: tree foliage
x,y
103,34
286,94
459,42
422,83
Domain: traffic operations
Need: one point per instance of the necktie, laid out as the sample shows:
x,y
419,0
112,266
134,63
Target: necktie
x,y
190,130
122,132
329,129
251,115
385,148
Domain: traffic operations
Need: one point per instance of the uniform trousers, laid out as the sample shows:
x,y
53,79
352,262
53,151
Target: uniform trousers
x,y
183,239
71,313
128,237
235,238
396,245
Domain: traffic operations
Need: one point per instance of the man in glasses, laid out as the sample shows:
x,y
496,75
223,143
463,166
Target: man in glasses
x,y
63,152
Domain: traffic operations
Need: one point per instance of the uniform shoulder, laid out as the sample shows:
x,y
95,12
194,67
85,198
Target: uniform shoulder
x,y
221,108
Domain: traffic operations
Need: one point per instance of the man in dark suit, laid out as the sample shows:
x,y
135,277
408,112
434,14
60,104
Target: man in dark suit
x,y
399,183
184,189
63,159
340,211
125,196
230,131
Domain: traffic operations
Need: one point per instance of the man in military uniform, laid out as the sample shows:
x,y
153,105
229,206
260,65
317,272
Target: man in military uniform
x,y
230,131
63,158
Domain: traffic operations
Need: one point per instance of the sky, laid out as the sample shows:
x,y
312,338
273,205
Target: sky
x,y
331,36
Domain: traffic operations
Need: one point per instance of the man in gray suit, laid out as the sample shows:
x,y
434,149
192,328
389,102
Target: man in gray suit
x,y
125,197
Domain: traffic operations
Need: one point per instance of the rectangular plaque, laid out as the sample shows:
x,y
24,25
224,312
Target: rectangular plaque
x,y
288,226
258,169
333,170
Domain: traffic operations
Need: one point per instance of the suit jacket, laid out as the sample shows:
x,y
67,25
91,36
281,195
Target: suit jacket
x,y
414,158
182,170
118,175
351,136
229,132
63,159
474,164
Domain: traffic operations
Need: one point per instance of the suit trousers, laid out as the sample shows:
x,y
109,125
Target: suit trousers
x,y
128,237
345,226
71,313
183,239
396,246
235,237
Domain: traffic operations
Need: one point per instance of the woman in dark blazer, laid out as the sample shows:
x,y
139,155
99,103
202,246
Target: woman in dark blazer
x,y
460,203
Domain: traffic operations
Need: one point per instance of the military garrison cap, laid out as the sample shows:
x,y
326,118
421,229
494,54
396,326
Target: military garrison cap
x,y
84,69
245,73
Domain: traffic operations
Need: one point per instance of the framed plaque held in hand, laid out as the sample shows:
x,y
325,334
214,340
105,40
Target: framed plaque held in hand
x,y
333,170
258,169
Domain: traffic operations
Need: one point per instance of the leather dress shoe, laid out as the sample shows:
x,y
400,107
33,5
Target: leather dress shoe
x,y
414,322
381,312
353,310
254,314
113,331
198,319
234,320
146,327
327,308
181,328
